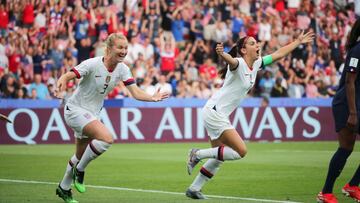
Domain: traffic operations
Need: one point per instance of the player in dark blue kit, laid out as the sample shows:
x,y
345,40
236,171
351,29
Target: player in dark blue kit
x,y
346,111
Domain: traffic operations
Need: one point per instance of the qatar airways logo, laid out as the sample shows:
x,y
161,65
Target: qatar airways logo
x,y
268,122
172,124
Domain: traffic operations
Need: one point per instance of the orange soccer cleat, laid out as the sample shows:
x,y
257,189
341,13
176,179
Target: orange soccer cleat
x,y
352,191
326,198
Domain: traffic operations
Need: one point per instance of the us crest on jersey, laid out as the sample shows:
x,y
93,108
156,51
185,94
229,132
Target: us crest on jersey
x,y
108,78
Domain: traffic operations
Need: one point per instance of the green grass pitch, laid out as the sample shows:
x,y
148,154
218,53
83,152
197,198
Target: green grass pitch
x,y
270,172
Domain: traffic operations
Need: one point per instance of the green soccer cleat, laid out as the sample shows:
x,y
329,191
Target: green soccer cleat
x,y
78,179
66,195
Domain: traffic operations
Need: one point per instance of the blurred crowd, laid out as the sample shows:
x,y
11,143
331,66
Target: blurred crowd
x,y
171,43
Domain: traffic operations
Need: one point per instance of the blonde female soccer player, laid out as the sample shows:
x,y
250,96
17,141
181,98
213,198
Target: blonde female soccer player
x,y
98,76
243,63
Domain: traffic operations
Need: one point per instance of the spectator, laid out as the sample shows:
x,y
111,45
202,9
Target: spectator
x,y
84,49
21,91
181,89
41,90
266,84
148,49
204,92
192,73
163,85
81,27
278,90
4,61
265,31
295,90
222,33
40,18
57,55
28,14
264,102
153,19
336,55
134,49
166,14
208,71
167,54
197,27
147,86
178,25
4,20
33,94
40,59
322,88
226,9
357,8
174,80
14,58
8,86
69,61
311,89
200,51
237,24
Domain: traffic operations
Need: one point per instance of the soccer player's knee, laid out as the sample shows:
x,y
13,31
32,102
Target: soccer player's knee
x,y
109,140
349,145
243,152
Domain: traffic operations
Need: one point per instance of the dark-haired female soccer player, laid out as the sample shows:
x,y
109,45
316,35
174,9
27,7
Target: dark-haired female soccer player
x,y
346,112
243,63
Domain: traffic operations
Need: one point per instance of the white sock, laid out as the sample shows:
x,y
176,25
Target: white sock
x,y
228,154
67,179
221,153
94,149
207,171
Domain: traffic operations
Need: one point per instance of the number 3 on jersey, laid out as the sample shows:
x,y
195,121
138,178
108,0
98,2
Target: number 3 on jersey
x,y
105,87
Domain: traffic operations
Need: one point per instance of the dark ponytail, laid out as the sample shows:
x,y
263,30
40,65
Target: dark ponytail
x,y
234,51
353,36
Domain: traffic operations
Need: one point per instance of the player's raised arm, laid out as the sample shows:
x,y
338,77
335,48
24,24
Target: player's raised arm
x,y
227,57
285,50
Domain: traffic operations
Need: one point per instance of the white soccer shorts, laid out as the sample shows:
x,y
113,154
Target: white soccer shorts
x,y
215,123
77,118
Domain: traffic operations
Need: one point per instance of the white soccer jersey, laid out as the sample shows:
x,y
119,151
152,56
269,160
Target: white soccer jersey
x,y
236,85
96,82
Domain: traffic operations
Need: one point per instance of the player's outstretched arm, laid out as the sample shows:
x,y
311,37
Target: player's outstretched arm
x,y
227,57
285,50
139,94
61,83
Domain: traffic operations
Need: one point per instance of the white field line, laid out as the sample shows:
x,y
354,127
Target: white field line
x,y
146,191
308,151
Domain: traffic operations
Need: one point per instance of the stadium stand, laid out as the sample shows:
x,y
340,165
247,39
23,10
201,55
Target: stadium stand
x,y
171,43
